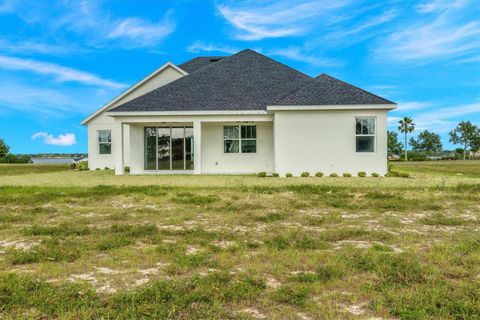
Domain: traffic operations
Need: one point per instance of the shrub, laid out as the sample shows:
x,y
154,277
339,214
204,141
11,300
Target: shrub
x,y
397,174
275,175
333,175
319,174
347,175
82,166
362,174
262,174
97,168
73,166
288,175
107,168
305,174
127,169
375,175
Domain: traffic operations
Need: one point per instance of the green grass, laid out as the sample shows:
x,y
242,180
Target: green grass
x,y
29,168
95,245
469,168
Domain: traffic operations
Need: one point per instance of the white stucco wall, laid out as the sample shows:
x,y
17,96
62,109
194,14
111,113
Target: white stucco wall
x,y
324,141
104,122
214,160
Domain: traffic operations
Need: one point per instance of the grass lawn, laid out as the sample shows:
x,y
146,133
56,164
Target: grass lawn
x,y
94,245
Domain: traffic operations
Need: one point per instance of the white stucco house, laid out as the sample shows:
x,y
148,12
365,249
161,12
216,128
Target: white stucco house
x,y
243,113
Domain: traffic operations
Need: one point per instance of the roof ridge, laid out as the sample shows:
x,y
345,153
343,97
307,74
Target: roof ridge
x,y
354,86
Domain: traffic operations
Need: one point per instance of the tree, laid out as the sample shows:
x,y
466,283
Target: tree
x,y
406,126
466,134
393,145
427,142
4,149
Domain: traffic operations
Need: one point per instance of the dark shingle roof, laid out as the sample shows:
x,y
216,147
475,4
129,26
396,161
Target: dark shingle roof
x,y
244,81
198,62
326,90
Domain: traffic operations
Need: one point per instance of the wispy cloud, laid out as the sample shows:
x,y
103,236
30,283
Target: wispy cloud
x,y
199,46
66,139
297,54
137,32
450,34
439,120
256,21
412,105
438,5
94,25
37,47
60,73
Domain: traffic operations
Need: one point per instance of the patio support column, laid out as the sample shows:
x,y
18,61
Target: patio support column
x,y
197,146
118,147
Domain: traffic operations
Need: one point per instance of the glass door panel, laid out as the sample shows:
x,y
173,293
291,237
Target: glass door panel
x,y
163,148
150,147
178,152
188,148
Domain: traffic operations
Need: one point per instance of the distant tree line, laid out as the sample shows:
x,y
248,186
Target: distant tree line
x,y
429,143
6,157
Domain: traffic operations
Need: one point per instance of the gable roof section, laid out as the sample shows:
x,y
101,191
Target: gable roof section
x,y
132,89
326,90
199,62
244,81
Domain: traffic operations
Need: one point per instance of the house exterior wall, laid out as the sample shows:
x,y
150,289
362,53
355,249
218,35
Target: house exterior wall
x,y
324,141
214,160
104,122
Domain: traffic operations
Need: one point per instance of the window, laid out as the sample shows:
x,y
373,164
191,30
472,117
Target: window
x,y
240,139
365,134
104,142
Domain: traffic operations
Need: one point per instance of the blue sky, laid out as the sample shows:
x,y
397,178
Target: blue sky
x,y
62,60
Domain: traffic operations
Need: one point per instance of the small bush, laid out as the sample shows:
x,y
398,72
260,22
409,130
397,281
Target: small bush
x,y
126,169
347,175
275,175
305,174
375,175
362,174
397,174
82,166
333,175
73,166
106,168
262,174
97,169
319,174
288,175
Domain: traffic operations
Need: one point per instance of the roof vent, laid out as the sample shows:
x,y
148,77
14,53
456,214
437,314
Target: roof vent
x,y
215,59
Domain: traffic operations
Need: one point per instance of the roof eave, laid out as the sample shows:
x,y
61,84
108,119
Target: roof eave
x,y
389,106
132,88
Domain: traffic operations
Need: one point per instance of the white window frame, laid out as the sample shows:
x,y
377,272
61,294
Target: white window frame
x,y
102,142
374,135
240,139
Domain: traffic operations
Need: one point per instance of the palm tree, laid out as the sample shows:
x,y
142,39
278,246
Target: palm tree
x,y
405,126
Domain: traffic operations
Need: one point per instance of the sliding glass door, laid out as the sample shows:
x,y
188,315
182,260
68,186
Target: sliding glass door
x,y
168,148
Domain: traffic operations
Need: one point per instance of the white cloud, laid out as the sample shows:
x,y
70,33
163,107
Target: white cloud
x,y
256,21
60,73
450,34
36,47
297,54
440,120
438,5
200,46
66,139
412,105
138,32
